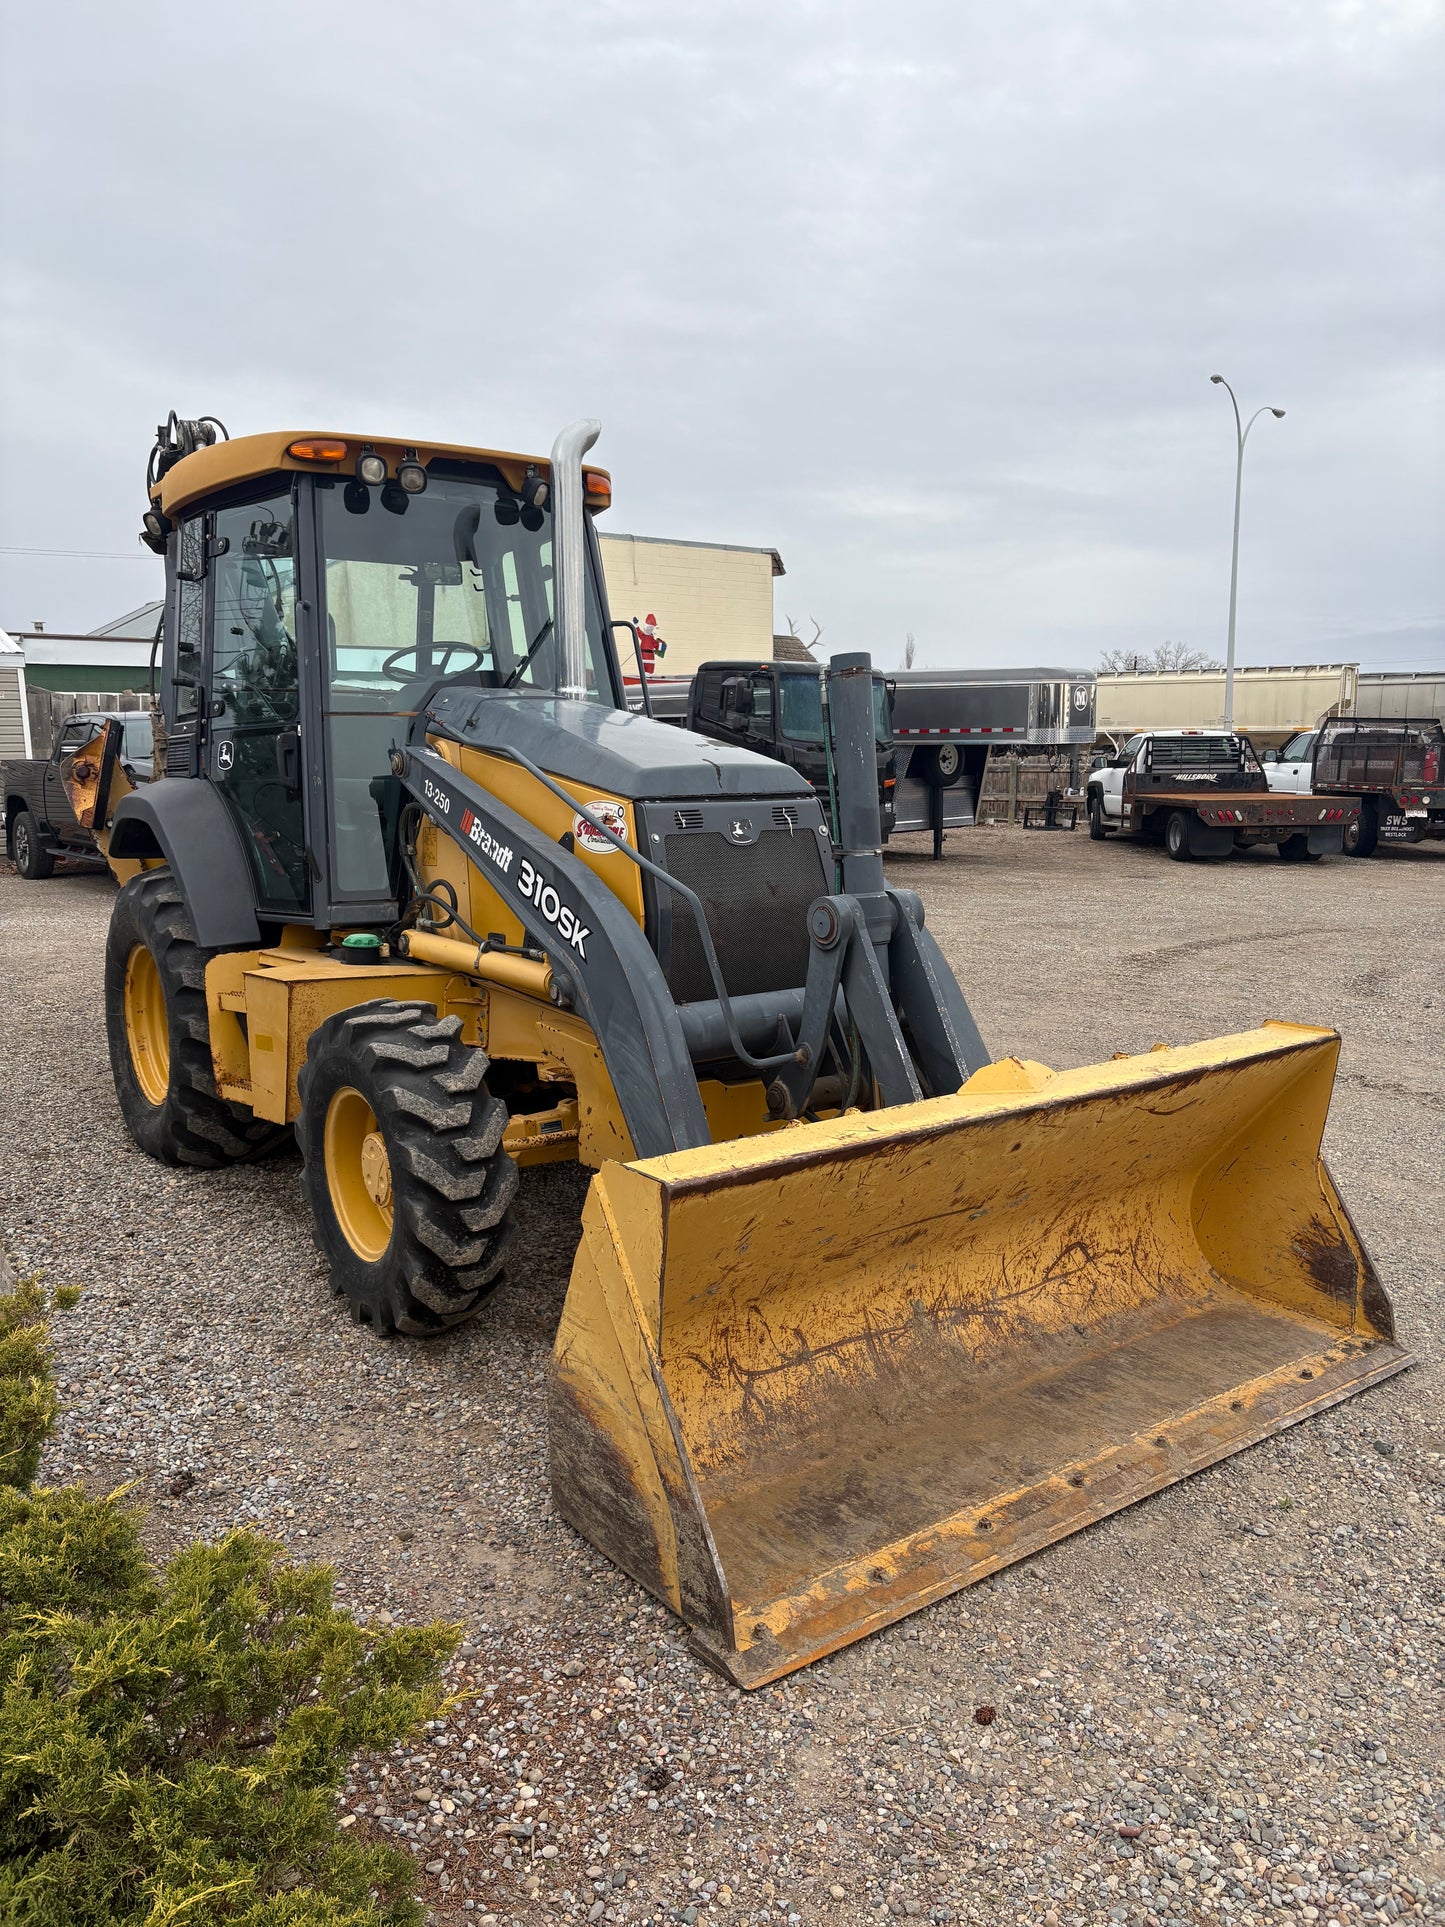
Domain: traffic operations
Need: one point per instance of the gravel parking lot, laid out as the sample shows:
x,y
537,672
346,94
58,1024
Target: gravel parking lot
x,y
1222,1705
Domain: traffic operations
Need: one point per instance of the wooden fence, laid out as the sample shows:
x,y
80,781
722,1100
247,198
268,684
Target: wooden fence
x,y
50,707
1015,777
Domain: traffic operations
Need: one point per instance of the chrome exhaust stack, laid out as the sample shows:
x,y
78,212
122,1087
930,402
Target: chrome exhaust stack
x,y
569,557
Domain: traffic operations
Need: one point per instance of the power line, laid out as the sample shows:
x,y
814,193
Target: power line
x,y
89,555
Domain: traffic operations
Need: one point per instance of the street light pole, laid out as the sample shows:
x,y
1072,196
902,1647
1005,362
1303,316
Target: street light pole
x,y
1241,437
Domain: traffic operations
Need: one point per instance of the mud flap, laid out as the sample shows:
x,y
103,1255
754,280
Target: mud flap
x,y
804,1384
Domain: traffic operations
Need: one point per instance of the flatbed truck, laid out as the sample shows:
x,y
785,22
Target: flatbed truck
x,y
1204,793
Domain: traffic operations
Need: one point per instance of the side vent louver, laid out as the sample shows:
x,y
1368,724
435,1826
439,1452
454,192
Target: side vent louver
x,y
688,819
785,816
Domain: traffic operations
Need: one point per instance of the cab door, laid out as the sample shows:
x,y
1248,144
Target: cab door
x,y
1110,778
1294,771
253,746
762,724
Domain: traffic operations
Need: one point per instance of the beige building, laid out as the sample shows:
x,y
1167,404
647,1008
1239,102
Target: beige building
x,y
709,598
1269,704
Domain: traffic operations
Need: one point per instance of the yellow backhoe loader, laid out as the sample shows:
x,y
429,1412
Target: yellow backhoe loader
x,y
858,1315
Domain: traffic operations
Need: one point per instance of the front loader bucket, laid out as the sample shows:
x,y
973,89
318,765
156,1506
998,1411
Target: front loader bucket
x,y
808,1382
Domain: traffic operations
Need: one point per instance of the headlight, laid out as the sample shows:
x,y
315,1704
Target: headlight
x,y
411,474
371,468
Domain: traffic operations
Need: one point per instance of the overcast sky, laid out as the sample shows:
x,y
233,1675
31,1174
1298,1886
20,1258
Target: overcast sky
x,y
926,296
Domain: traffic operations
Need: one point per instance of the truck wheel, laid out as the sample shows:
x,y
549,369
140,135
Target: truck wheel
x,y
1362,836
1097,832
1296,849
408,1184
943,765
1176,837
32,859
160,1035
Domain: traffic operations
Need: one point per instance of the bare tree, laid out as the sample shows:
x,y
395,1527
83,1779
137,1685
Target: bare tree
x,y
817,631
1168,655
910,649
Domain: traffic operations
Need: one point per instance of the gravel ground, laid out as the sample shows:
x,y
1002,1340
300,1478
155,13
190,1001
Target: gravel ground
x,y
1222,1705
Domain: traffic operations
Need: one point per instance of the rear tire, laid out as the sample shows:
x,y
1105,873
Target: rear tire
x,y
408,1184
1363,835
160,1035
1097,832
1176,837
1296,849
32,859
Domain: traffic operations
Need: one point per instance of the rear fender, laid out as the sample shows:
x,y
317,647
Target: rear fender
x,y
183,820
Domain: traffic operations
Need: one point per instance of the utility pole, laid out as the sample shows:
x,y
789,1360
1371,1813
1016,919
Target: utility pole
x,y
1241,437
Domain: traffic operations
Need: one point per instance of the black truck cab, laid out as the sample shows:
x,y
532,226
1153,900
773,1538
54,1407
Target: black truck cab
x,y
776,709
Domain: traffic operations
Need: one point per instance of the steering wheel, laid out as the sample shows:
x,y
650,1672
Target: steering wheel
x,y
441,654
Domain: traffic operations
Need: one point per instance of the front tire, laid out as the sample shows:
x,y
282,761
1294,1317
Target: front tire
x,y
408,1184
1176,837
1363,835
160,1035
32,859
1097,831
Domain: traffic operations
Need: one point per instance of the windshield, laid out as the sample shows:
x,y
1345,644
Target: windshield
x,y
801,708
457,578
456,581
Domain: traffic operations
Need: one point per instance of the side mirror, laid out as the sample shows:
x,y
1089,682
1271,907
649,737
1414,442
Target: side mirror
x,y
1269,756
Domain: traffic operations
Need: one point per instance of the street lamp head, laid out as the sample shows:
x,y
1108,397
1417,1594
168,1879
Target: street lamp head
x,y
1216,378
1278,414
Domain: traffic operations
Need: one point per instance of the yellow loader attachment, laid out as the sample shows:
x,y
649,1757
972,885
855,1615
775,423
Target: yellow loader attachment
x,y
806,1383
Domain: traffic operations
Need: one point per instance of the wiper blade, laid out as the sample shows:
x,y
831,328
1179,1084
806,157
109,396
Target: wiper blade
x,y
526,661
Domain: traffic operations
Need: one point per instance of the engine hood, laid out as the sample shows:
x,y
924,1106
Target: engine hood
x,y
612,750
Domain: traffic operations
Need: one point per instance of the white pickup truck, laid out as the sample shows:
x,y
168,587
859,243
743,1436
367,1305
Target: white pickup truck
x,y
1393,768
1203,793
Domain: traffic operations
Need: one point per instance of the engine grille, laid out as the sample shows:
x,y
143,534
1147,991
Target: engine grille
x,y
756,896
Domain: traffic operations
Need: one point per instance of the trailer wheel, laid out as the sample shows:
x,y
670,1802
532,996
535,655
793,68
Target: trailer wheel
x,y
32,859
1176,837
160,1035
1296,849
1097,831
408,1184
942,765
1363,835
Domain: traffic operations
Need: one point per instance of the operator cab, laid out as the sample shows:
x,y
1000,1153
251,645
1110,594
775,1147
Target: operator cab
x,y
308,614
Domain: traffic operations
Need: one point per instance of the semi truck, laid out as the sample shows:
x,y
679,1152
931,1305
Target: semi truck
x,y
1203,793
1392,767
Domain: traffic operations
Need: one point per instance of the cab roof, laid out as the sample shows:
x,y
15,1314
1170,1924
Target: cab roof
x,y
249,458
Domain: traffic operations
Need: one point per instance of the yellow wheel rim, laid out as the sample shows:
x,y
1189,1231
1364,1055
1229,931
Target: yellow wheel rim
x,y
358,1174
146,1031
